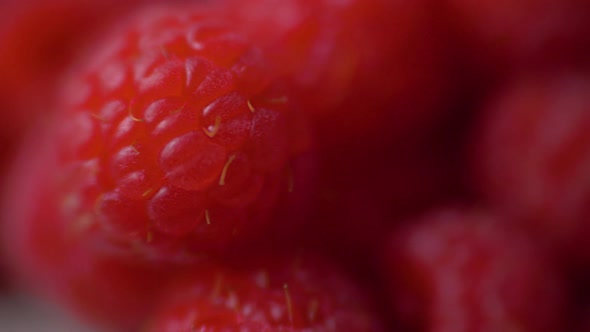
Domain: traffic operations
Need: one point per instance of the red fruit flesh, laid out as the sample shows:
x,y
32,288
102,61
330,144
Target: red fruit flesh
x,y
454,270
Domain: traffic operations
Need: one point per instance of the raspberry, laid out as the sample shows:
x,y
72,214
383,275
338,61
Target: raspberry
x,y
532,154
454,270
358,75
299,294
172,138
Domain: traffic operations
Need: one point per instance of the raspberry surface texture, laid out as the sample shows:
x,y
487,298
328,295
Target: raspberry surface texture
x,y
51,257
283,294
171,134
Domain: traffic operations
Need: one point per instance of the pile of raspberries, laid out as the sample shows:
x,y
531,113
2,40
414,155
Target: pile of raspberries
x,y
298,165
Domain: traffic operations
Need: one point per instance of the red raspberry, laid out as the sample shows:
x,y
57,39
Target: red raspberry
x,y
532,156
300,294
172,136
357,73
454,270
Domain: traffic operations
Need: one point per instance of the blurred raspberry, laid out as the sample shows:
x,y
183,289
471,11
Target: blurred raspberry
x,y
454,270
292,294
532,157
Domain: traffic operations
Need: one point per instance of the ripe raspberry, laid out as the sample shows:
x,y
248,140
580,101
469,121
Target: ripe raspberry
x,y
454,270
532,156
300,294
357,74
172,137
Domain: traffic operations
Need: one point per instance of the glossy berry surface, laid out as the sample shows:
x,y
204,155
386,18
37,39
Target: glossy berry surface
x,y
280,294
171,134
455,270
